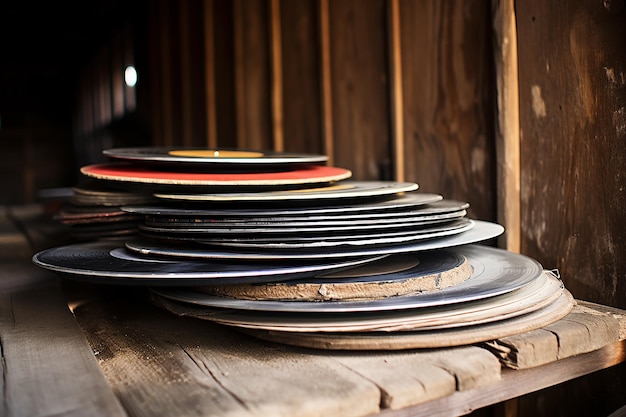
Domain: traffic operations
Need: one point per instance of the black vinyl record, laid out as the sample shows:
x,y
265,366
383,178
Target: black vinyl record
x,y
431,213
390,204
212,158
110,263
496,272
288,228
480,231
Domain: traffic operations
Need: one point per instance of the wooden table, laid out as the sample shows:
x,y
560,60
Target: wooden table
x,y
72,349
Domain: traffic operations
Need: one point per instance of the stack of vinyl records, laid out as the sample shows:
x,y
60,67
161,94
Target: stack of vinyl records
x,y
286,248
94,211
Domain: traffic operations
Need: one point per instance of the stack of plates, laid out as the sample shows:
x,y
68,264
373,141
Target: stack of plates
x,y
289,249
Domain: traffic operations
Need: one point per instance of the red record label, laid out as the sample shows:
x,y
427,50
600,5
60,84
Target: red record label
x,y
133,173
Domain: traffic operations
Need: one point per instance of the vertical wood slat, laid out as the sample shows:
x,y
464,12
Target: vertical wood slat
x,y
154,61
240,81
507,123
277,77
209,67
185,74
302,127
252,74
326,84
165,64
397,100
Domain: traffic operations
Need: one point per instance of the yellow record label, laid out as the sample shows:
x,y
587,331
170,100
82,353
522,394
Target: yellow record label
x,y
215,153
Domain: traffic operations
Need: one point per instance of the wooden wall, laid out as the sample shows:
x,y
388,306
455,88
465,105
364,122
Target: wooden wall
x,y
391,89
572,84
572,101
516,107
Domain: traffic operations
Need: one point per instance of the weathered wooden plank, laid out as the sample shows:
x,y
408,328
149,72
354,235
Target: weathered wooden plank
x,y
515,383
301,77
584,329
358,81
447,97
48,367
161,364
507,131
573,121
413,377
252,74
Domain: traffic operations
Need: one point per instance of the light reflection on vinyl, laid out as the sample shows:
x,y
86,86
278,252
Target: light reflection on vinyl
x,y
94,262
496,272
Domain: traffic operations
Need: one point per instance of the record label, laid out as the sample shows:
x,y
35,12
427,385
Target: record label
x,y
125,172
212,157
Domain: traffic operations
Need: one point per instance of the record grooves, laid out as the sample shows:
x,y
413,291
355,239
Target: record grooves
x,y
286,248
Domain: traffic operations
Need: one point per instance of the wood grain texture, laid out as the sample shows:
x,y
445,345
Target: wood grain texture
x,y
573,145
160,364
409,378
586,328
515,383
447,90
252,74
358,80
301,77
48,367
208,25
507,134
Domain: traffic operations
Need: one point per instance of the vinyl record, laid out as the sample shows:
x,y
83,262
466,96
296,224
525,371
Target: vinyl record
x,y
426,215
351,237
396,202
110,263
126,173
480,231
350,241
423,339
539,293
287,228
213,158
495,272
93,194
71,217
343,190
395,275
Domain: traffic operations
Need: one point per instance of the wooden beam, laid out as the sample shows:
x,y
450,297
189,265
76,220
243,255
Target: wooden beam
x,y
277,77
209,71
166,97
396,86
185,73
327,99
507,123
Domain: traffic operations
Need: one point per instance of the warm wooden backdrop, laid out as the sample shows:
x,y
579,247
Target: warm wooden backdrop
x,y
389,89
516,107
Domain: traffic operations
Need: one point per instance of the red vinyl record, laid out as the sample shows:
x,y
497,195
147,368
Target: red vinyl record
x,y
125,172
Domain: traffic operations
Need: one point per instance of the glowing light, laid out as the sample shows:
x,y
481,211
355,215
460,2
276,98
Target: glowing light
x,y
130,76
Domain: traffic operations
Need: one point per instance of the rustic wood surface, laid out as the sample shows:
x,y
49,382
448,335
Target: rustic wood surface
x,y
447,90
573,147
47,365
155,363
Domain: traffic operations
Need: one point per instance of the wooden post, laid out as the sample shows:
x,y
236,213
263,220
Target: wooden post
x,y
507,122
397,102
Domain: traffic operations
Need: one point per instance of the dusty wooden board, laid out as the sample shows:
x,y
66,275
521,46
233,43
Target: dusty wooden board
x,y
414,377
159,364
515,383
586,328
48,367
158,361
